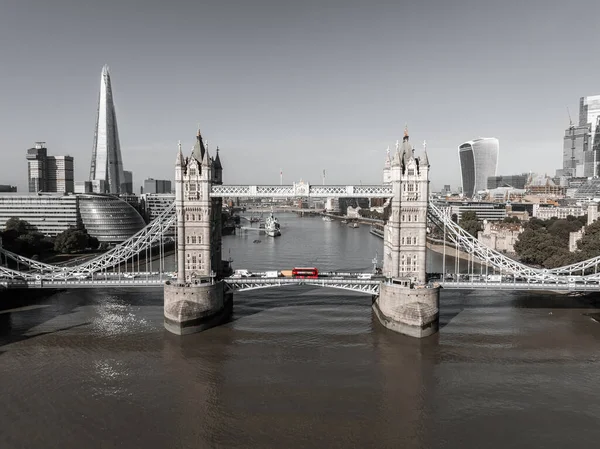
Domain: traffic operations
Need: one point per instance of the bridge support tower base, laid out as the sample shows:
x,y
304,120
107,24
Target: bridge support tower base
x,y
408,310
194,307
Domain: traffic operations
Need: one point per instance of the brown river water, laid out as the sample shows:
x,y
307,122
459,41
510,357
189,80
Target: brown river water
x,y
299,367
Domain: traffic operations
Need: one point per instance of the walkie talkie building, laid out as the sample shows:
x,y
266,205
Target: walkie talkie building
x,y
478,161
107,164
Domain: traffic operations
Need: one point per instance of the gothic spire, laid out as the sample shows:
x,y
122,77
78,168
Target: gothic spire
x,y
217,165
425,159
388,160
179,161
199,148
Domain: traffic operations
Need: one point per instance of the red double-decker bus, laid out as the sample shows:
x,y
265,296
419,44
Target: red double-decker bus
x,y
305,272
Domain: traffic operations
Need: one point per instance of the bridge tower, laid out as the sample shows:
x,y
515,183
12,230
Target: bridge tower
x,y
406,303
197,300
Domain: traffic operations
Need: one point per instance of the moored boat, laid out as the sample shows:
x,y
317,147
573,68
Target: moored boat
x,y
272,227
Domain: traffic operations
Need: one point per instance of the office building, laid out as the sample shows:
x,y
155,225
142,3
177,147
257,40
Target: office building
x,y
589,190
98,185
59,170
595,146
546,212
576,149
155,204
107,163
514,181
128,184
47,213
106,217
152,185
478,161
83,187
589,111
484,211
332,205
53,174
36,167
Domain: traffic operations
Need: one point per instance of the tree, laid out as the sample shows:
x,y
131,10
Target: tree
x,y
71,240
93,243
589,245
470,223
535,223
562,228
536,246
17,225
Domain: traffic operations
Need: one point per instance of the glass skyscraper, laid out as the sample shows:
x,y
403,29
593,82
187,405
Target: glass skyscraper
x,y
589,112
107,164
478,161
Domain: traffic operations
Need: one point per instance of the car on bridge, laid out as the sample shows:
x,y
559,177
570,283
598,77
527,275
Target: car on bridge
x,y
242,274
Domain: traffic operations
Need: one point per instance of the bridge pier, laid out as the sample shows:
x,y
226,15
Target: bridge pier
x,y
194,307
408,310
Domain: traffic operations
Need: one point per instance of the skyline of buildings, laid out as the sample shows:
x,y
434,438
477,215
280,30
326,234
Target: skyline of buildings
x,y
581,156
478,161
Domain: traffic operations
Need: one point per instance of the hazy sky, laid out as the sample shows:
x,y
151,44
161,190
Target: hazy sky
x,y
299,85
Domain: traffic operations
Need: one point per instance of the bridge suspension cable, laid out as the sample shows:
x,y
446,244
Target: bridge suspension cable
x,y
116,256
462,239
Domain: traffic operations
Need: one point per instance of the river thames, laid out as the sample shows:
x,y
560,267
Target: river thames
x,y
300,367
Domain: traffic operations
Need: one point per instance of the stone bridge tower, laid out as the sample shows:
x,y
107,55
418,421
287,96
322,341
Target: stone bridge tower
x,y
405,232
406,304
197,300
198,215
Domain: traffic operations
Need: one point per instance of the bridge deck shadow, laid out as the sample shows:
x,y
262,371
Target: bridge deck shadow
x,y
251,302
40,306
453,302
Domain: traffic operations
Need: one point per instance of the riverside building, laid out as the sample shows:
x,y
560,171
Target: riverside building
x,y
108,218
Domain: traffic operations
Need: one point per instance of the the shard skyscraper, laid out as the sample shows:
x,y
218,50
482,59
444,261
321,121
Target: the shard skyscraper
x,y
106,171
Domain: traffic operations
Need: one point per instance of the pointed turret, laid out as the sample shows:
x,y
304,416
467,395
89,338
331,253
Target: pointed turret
x,y
179,162
406,150
388,160
217,165
425,158
397,156
199,149
206,159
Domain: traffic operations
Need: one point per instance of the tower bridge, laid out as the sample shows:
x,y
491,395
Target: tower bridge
x,y
199,295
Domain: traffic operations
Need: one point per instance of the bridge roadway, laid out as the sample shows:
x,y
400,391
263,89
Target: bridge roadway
x,y
358,282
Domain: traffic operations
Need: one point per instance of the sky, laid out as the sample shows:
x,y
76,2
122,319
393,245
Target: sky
x,y
299,86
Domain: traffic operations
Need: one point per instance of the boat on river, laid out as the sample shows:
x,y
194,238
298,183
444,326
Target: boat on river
x,y
272,227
